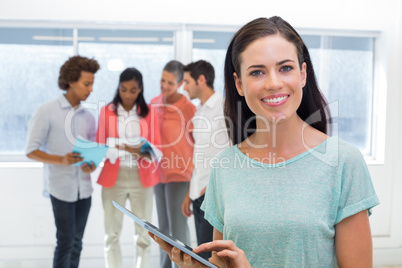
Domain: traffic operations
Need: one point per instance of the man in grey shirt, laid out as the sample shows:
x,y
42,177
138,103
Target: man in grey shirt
x,y
52,132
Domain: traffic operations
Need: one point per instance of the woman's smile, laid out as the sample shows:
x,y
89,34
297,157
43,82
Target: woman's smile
x,y
276,100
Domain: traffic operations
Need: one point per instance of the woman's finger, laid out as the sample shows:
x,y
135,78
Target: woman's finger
x,y
227,254
216,245
176,255
164,245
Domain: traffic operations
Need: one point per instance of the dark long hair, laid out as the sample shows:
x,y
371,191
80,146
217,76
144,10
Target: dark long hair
x,y
313,103
127,75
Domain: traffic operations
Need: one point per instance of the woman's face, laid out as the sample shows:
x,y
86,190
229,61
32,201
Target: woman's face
x,y
169,84
271,79
129,91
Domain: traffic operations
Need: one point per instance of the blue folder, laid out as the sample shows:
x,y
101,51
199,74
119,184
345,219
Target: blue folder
x,y
90,151
147,148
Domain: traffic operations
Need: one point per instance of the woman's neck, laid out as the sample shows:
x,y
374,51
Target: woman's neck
x,y
127,107
280,141
277,135
171,98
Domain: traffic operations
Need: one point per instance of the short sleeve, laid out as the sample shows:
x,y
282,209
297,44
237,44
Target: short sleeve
x,y
357,191
38,128
213,205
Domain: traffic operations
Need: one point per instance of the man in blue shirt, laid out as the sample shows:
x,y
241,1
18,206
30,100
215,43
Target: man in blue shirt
x,y
52,132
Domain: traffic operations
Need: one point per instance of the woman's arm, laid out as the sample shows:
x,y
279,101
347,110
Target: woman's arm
x,y
353,243
135,150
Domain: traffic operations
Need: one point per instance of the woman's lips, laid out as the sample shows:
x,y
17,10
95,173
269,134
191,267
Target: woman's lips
x,y
275,100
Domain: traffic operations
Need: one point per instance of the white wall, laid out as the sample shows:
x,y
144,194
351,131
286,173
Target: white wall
x,y
25,217
356,14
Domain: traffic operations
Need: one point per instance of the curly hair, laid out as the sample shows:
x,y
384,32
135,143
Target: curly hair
x,y
70,71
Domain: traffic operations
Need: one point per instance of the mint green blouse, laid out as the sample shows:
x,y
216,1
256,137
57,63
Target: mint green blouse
x,y
284,215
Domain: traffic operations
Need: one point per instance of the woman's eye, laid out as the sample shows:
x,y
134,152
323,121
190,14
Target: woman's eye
x,y
256,73
286,68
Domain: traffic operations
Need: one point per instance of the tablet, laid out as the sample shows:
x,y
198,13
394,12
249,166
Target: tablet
x,y
172,241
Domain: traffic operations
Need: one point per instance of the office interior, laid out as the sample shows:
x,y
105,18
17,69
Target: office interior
x,y
37,36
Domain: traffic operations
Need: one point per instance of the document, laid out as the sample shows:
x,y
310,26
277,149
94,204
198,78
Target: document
x,y
90,151
146,147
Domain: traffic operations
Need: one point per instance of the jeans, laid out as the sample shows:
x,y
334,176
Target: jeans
x,y
70,220
203,228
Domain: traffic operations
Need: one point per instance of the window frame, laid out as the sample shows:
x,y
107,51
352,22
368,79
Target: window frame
x,y
183,46
378,108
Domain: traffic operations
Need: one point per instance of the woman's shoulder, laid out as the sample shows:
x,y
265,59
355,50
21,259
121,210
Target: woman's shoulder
x,y
228,152
184,101
337,143
186,106
156,100
108,108
340,152
347,150
152,112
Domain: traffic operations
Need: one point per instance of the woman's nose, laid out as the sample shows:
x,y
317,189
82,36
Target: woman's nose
x,y
273,81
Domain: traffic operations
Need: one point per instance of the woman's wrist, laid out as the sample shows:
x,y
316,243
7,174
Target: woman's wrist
x,y
145,155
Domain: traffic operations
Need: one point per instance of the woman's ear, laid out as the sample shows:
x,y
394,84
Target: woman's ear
x,y
303,74
238,84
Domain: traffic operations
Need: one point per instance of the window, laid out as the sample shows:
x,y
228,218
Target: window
x,y
29,68
31,59
212,46
116,50
344,68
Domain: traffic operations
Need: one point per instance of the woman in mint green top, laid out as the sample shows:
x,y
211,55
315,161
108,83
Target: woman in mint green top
x,y
285,215
287,194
